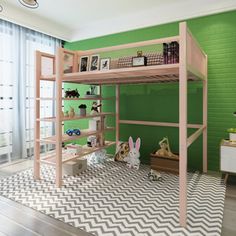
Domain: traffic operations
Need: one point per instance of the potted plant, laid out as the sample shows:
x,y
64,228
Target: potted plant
x,y
232,134
82,109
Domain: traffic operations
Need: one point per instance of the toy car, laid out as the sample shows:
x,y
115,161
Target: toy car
x,y
154,175
70,132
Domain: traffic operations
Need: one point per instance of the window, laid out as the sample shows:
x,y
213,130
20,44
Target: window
x,y
17,53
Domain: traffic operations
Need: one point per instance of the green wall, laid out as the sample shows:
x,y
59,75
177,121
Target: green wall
x,y
159,102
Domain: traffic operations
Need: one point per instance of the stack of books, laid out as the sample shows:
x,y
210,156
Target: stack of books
x,y
171,52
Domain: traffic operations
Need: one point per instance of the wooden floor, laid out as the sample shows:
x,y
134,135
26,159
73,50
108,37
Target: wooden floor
x,y
17,220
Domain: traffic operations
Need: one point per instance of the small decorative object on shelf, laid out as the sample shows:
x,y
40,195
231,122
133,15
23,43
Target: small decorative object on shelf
x,y
232,134
82,110
94,124
171,52
66,114
140,60
105,64
133,157
122,151
94,108
70,132
92,92
154,175
72,112
74,149
94,62
92,141
72,93
84,64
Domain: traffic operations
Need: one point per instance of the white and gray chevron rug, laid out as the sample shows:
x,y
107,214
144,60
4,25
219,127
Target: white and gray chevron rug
x,y
112,200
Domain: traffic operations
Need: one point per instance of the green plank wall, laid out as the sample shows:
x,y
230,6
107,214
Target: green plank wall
x,y
217,36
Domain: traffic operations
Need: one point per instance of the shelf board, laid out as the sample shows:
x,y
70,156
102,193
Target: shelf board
x,y
53,119
51,158
75,99
143,74
67,138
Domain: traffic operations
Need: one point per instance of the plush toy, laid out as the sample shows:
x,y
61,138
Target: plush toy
x,y
94,108
98,156
154,175
122,151
133,157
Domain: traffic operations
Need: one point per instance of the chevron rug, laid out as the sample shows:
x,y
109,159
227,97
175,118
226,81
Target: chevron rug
x,y
111,200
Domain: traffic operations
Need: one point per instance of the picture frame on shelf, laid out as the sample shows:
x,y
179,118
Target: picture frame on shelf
x,y
84,64
105,64
94,63
68,63
139,60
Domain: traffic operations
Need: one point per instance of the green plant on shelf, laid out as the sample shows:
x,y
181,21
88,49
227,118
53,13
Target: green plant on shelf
x,y
231,130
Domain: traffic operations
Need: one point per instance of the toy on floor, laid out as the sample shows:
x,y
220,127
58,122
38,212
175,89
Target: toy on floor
x,y
122,151
98,157
165,149
133,157
154,175
70,132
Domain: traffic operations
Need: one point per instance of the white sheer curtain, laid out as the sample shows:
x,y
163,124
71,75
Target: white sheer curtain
x,y
17,58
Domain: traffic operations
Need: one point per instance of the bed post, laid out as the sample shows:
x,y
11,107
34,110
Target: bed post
x,y
117,114
59,74
204,139
37,116
183,124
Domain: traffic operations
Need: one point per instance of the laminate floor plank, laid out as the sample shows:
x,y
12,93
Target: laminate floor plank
x,y
11,228
36,221
31,222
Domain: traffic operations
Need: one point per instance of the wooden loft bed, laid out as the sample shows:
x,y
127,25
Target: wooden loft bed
x,y
192,66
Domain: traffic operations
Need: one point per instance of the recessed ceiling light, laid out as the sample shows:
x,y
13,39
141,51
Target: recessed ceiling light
x,y
29,3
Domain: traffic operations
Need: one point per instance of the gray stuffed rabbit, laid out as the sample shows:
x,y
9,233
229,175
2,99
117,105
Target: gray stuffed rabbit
x,y
133,157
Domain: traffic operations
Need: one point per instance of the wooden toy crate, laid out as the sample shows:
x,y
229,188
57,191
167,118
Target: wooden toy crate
x,y
166,164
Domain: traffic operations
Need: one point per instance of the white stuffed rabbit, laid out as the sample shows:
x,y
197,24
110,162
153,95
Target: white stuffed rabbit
x,y
133,158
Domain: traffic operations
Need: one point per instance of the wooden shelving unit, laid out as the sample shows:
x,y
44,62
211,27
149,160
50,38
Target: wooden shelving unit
x,y
53,119
51,158
66,138
192,66
76,99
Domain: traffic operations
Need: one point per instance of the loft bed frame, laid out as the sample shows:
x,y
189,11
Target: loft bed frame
x,y
192,66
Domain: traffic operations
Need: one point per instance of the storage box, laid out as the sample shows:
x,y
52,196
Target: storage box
x,y
74,149
166,164
94,125
74,167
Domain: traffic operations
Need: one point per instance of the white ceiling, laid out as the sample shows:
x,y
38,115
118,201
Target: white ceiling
x,y
73,20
